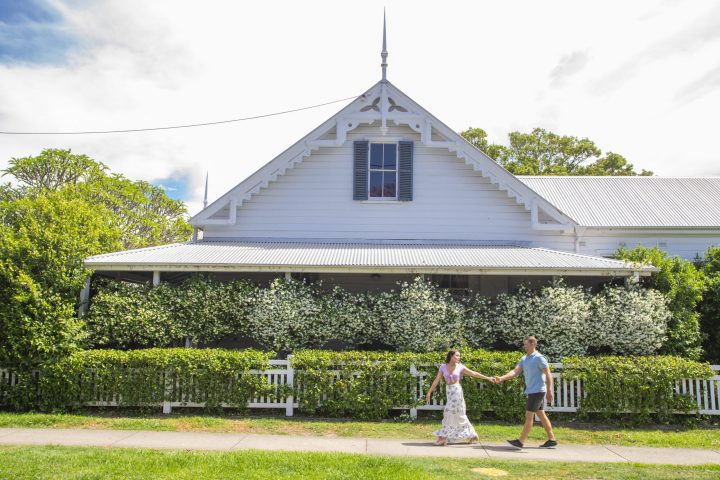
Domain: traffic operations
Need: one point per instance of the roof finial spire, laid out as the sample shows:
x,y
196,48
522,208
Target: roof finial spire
x,y
384,53
207,174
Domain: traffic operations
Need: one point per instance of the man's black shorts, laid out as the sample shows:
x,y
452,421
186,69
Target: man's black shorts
x,y
535,401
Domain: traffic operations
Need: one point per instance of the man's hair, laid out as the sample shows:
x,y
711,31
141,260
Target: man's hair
x,y
531,339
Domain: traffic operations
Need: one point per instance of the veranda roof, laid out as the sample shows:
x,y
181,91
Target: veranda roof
x,y
371,257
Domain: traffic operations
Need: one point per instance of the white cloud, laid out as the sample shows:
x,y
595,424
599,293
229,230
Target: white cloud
x,y
501,66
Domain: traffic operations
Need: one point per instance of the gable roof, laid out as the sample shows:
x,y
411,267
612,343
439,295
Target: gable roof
x,y
364,257
669,202
381,104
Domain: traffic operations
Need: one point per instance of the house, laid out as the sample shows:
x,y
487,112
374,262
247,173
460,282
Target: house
x,y
384,191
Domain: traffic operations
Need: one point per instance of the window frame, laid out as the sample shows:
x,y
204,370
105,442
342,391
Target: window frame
x,y
383,141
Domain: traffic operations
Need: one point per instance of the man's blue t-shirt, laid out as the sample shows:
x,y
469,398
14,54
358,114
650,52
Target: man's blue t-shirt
x,y
532,367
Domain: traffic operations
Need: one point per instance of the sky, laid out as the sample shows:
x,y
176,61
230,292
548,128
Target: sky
x,y
639,78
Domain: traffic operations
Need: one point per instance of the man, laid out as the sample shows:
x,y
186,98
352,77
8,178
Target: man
x,y
538,386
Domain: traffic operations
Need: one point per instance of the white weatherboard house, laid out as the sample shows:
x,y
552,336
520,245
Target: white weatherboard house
x,y
384,191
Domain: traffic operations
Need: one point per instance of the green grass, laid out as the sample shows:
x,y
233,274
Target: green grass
x,y
59,463
589,434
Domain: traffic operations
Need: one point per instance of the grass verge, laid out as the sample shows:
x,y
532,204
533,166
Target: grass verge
x,y
59,463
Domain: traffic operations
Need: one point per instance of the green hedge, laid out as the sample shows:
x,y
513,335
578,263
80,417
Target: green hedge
x,y
152,376
369,384
641,389
362,385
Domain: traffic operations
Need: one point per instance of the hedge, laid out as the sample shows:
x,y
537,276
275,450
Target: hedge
x,y
417,317
137,377
369,384
637,388
362,385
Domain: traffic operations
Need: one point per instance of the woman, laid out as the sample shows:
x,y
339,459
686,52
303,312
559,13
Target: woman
x,y
455,424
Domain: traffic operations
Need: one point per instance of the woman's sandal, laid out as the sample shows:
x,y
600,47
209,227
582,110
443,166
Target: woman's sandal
x,y
440,443
473,440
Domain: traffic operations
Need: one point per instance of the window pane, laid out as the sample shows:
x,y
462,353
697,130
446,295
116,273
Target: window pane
x,y
376,155
389,185
376,182
390,156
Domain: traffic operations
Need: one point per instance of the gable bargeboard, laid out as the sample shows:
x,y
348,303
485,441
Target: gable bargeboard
x,y
459,193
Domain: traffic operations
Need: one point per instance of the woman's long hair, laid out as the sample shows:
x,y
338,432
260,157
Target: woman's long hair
x,y
450,354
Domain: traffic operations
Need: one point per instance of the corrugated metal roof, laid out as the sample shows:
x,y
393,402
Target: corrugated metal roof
x,y
236,255
633,201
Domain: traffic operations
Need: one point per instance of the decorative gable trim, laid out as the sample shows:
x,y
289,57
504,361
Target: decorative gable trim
x,y
382,104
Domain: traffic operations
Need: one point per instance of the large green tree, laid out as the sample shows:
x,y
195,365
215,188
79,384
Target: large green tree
x,y
43,240
60,209
143,213
541,152
710,305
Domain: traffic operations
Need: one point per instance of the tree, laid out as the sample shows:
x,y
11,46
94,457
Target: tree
x,y
144,214
63,208
54,169
710,305
43,240
541,152
684,285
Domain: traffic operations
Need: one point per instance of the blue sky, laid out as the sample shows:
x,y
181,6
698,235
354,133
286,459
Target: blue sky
x,y
33,31
175,188
639,78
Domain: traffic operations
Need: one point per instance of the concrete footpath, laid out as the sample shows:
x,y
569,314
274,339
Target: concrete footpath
x,y
367,446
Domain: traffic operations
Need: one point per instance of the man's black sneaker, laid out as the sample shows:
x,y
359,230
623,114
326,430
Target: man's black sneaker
x,y
549,444
515,443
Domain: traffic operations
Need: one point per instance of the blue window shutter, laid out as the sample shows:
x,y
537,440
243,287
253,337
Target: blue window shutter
x,y
405,171
360,170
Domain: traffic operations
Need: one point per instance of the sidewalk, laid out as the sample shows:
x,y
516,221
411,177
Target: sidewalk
x,y
368,446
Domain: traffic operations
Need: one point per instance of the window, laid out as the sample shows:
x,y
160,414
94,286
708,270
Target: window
x,y
457,285
383,170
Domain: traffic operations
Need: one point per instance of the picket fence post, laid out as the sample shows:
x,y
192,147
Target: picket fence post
x,y
290,382
167,392
413,408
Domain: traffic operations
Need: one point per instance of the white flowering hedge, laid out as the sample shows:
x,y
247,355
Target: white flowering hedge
x,y
417,317
629,321
559,316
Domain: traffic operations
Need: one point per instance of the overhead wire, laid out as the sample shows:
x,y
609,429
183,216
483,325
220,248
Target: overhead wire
x,y
172,127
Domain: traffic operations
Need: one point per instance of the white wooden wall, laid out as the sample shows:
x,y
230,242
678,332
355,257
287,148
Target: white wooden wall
x,y
451,201
687,246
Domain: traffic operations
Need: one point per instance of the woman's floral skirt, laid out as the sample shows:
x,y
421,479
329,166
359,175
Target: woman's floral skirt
x,y
455,424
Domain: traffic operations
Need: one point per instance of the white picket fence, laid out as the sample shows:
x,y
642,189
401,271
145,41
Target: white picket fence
x,y
567,396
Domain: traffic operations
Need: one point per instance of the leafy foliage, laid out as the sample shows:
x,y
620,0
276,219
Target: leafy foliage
x,y
65,208
628,321
42,243
153,376
570,321
710,306
559,316
541,152
419,317
683,285
141,212
367,385
126,315
638,388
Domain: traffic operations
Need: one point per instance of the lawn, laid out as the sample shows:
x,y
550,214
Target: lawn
x,y
706,437
34,462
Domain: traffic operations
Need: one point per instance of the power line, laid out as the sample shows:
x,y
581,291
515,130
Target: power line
x,y
130,130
